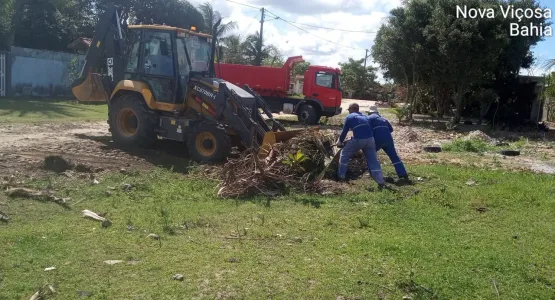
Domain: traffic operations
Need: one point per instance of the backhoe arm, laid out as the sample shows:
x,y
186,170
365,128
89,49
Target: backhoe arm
x,y
108,43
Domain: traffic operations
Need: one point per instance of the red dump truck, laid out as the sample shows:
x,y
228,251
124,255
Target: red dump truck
x,y
321,88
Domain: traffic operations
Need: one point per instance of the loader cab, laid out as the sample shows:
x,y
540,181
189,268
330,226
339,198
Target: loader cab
x,y
165,58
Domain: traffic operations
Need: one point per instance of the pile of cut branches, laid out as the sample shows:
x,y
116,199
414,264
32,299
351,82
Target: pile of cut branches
x,y
294,165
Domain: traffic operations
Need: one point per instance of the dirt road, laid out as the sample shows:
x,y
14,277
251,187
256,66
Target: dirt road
x,y
363,104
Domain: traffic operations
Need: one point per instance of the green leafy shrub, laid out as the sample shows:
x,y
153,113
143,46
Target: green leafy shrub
x,y
471,145
401,112
295,161
521,143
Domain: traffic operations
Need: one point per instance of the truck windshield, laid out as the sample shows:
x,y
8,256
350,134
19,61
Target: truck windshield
x,y
199,53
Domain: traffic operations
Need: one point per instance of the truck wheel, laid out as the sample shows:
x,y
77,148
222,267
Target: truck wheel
x,y
308,115
132,123
209,143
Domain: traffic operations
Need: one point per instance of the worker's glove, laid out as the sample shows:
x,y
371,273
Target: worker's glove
x,y
340,144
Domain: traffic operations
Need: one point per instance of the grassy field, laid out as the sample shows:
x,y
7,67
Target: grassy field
x,y
457,233
37,110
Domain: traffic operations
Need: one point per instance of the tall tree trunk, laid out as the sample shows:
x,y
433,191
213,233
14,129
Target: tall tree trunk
x,y
446,102
407,97
459,104
414,99
414,92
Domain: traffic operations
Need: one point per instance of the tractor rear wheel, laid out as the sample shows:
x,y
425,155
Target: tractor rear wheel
x,y
132,123
209,143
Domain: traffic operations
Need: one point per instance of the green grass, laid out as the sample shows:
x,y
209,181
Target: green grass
x,y
428,241
24,110
471,145
520,144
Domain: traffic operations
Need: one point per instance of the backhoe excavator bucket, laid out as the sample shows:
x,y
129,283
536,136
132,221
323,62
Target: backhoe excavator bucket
x,y
271,138
90,90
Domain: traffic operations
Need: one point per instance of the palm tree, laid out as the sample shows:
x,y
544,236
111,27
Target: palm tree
x,y
274,57
232,49
550,63
254,56
212,16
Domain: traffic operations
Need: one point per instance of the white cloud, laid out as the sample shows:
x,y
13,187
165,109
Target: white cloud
x,y
314,46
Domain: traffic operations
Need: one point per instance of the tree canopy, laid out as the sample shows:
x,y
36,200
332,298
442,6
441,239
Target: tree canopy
x,y
357,79
54,24
441,58
235,50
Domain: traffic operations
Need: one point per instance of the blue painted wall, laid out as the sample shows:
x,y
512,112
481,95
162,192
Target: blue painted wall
x,y
41,73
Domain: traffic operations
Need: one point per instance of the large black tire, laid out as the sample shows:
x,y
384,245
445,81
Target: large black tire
x,y
132,122
509,152
308,115
432,149
209,143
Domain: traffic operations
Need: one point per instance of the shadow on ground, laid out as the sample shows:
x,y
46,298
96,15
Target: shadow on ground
x,y
48,108
171,155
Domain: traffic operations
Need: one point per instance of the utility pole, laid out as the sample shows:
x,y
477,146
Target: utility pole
x,y
258,60
364,76
365,58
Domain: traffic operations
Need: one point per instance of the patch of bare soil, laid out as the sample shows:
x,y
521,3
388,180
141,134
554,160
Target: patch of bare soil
x,y
87,145
537,156
89,148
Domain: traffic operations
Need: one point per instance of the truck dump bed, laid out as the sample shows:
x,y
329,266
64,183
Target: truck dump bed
x,y
267,81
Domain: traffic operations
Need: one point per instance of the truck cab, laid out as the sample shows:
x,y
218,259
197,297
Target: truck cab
x,y
323,86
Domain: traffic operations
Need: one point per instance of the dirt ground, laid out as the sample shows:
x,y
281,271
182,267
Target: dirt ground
x,y
24,147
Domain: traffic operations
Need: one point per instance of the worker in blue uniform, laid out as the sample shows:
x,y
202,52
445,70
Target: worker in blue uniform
x,y
363,139
382,130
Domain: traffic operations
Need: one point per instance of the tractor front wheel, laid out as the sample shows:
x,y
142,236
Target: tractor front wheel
x,y
209,143
132,123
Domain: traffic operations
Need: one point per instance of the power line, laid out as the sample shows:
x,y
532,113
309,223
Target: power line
x,y
243,4
302,29
322,27
252,14
334,29
250,26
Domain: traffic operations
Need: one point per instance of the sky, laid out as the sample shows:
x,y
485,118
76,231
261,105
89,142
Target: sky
x,y
322,46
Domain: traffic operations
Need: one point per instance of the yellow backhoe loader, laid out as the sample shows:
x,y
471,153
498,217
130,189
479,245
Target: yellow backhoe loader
x,y
159,81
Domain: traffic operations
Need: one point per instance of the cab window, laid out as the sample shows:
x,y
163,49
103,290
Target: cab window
x,y
324,79
182,62
133,50
158,54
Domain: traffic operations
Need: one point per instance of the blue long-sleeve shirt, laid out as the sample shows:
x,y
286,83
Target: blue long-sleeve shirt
x,y
360,126
381,127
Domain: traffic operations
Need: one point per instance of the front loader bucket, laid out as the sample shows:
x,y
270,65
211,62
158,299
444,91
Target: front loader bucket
x,y
271,137
90,90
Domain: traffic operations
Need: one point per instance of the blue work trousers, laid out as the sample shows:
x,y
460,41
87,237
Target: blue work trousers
x,y
368,146
389,149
